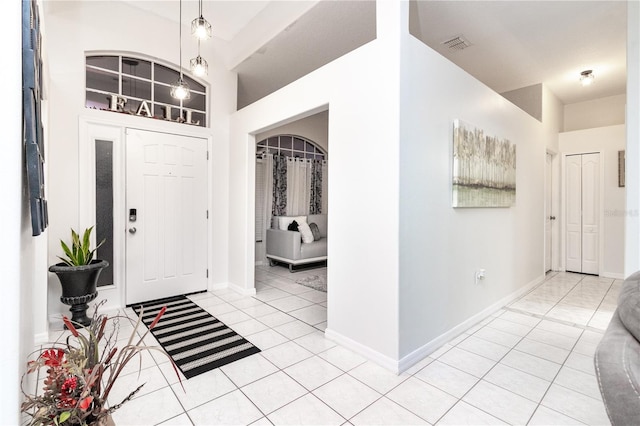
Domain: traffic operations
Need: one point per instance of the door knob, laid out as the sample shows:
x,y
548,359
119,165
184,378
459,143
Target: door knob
x,y
133,230
552,217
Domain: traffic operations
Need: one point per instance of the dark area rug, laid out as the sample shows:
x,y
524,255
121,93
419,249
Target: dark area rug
x,y
194,338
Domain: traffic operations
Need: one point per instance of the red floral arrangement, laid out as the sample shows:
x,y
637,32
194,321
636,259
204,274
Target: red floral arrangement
x,y
80,377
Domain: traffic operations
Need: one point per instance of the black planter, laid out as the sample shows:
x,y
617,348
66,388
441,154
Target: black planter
x,y
79,287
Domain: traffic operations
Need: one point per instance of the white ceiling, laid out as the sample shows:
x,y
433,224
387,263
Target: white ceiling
x,y
514,43
227,17
520,43
327,31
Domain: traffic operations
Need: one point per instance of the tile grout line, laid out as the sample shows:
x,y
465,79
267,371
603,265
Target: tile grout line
x,y
343,373
601,301
553,381
383,395
499,361
282,370
483,376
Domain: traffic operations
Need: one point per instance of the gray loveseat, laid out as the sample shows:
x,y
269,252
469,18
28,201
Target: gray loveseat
x,y
287,246
617,357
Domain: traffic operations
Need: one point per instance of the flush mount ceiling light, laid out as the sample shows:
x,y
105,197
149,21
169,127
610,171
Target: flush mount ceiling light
x,y
586,77
180,89
200,27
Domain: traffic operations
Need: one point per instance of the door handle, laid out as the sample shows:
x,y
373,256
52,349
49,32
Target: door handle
x,y
552,218
133,230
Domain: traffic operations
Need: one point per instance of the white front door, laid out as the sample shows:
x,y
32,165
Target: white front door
x,y
166,201
582,220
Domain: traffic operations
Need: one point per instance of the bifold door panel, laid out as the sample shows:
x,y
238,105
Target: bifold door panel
x,y
582,213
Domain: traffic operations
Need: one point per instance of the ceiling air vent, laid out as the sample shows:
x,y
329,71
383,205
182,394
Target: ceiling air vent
x,y
457,43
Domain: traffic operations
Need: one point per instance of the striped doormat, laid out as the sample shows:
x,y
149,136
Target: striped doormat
x,y
196,340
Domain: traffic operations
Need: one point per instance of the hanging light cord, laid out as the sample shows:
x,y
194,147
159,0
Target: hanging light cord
x,y
180,38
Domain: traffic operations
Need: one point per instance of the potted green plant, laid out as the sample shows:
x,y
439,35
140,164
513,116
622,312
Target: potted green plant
x,y
78,274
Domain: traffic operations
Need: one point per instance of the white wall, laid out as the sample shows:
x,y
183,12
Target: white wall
x,y
600,112
608,141
18,246
632,246
553,124
529,99
75,27
552,117
441,248
363,219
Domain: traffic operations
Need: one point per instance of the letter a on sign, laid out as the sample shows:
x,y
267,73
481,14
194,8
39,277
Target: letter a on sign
x,y
143,109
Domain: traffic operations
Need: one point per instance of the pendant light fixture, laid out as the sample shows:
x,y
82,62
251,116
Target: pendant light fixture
x,y
200,27
180,89
199,65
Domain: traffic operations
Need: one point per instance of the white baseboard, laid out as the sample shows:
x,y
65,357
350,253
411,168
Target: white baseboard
x,y
423,351
234,287
614,275
242,290
367,352
398,366
41,338
218,286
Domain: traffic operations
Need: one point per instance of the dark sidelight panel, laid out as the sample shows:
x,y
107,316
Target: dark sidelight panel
x,y
104,207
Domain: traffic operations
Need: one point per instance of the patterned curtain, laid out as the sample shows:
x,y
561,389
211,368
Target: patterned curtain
x,y
325,186
315,202
298,186
279,207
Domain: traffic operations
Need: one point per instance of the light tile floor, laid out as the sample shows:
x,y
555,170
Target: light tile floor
x,y
529,363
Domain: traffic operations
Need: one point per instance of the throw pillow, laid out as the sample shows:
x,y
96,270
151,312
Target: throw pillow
x,y
293,226
305,232
285,221
315,231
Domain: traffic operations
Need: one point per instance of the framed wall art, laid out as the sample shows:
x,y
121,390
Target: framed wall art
x,y
621,169
484,168
33,134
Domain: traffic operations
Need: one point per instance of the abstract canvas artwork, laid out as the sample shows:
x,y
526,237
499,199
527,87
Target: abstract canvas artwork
x,y
484,168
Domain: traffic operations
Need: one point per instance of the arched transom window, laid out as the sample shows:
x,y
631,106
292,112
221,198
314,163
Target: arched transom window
x,y
140,86
291,146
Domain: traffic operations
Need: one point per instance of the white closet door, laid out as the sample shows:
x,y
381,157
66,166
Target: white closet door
x,y
583,217
573,174
590,212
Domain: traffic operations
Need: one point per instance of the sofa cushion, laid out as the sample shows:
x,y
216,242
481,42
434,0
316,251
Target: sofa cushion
x,y
284,221
629,304
314,249
314,231
617,362
305,232
293,226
